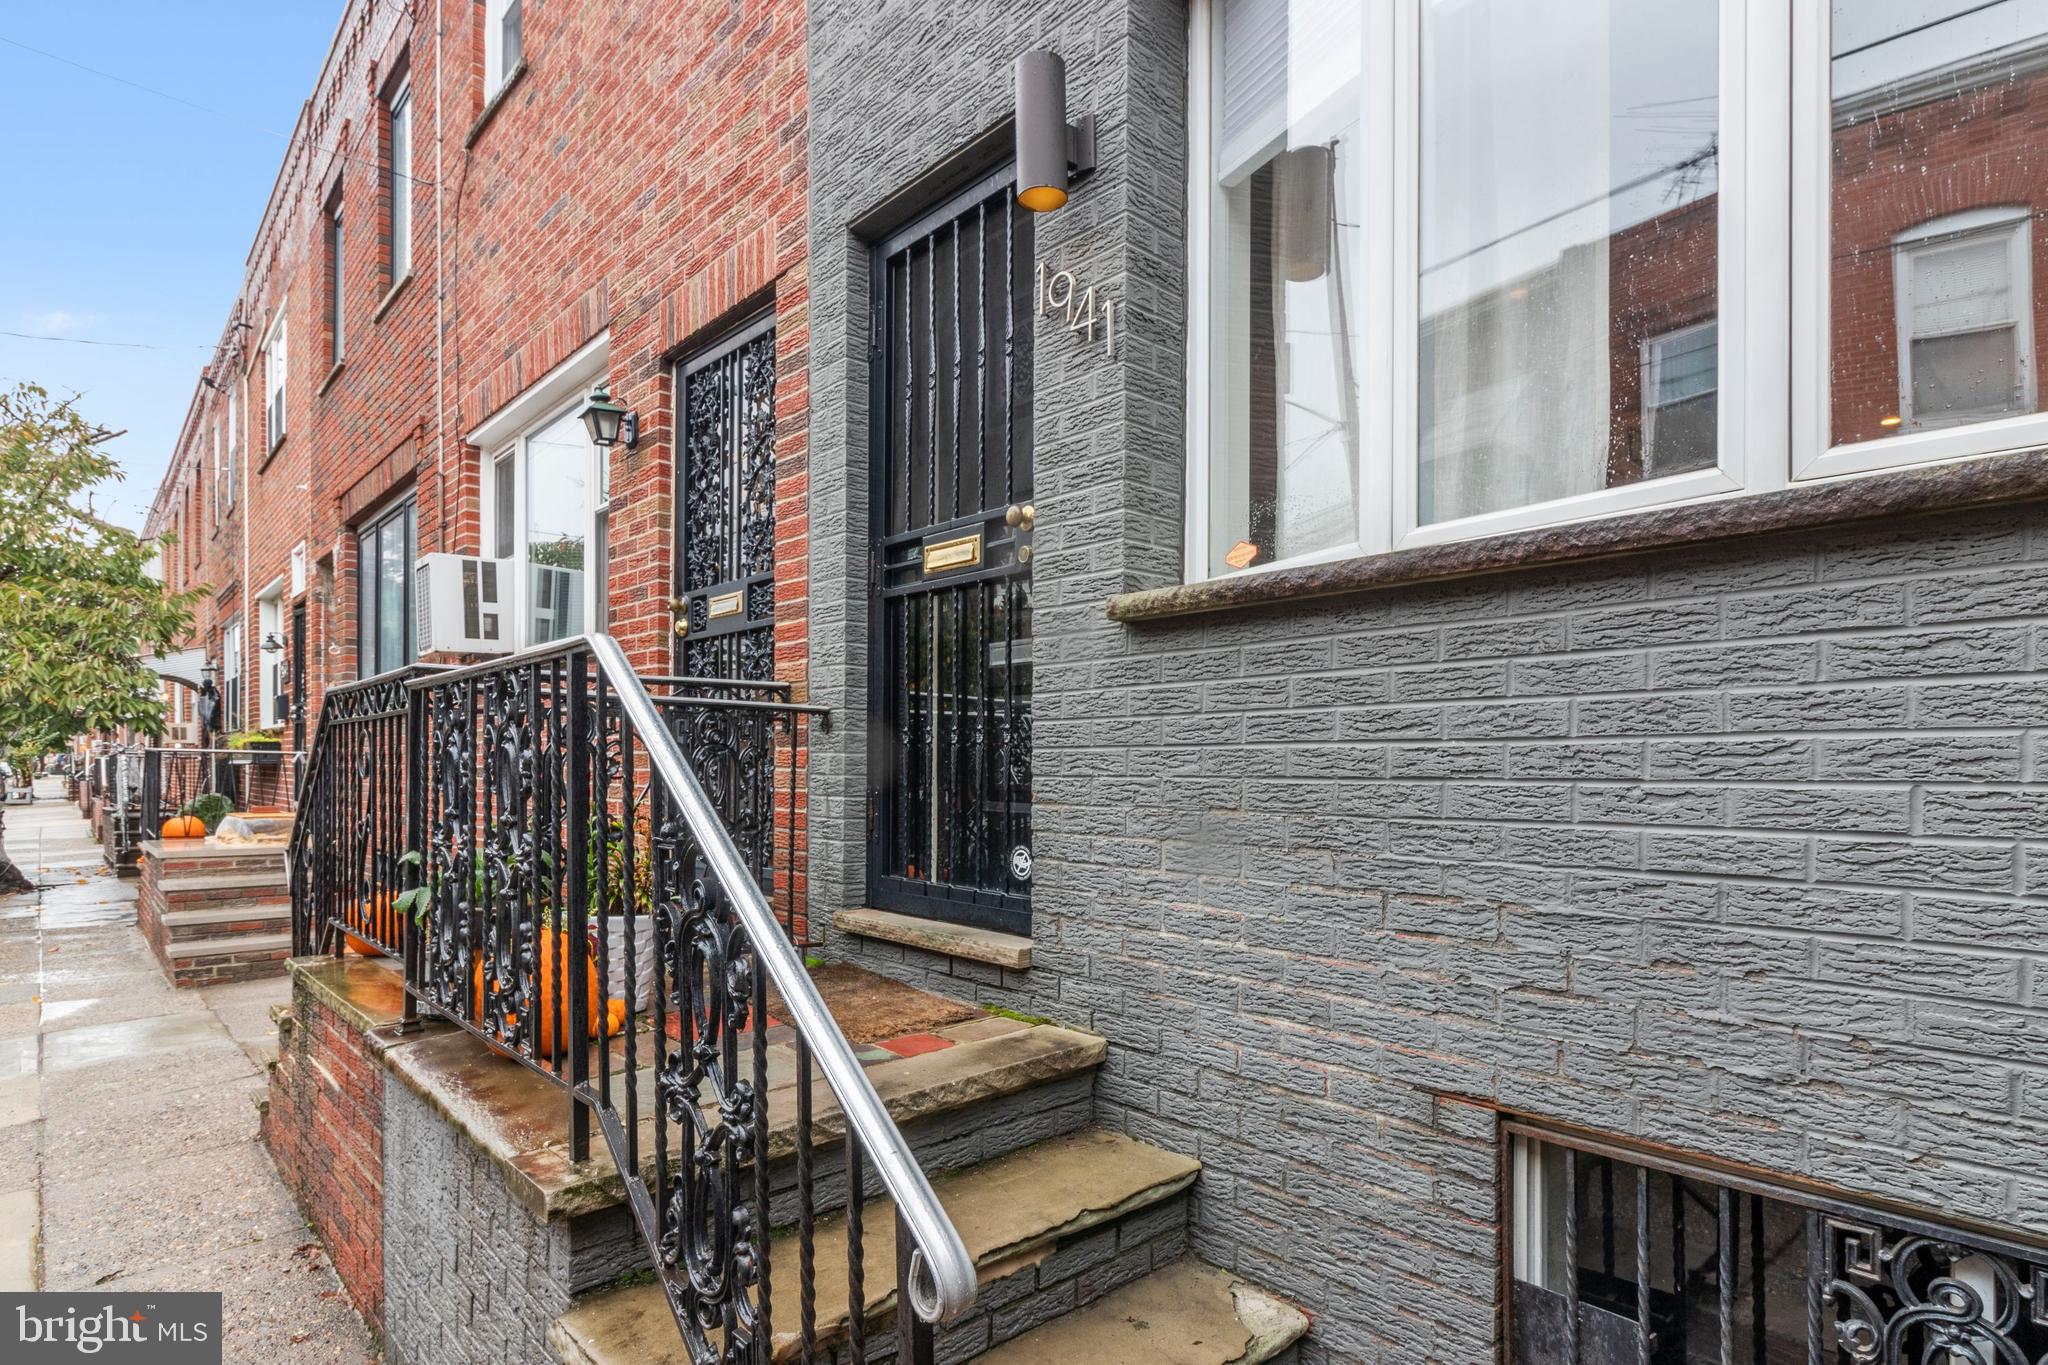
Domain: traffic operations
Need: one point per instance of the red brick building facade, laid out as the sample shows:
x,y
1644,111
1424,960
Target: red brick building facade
x,y
575,215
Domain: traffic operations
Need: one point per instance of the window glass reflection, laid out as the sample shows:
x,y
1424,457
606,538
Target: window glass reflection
x,y
1570,162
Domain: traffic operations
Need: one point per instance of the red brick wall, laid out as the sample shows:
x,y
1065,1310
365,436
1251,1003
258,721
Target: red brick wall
x,y
324,1127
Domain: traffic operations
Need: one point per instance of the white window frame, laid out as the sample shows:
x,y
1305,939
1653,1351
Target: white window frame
x,y
234,470
233,664
398,123
1753,274
270,660
563,390
497,70
1814,452
276,362
334,230
1908,247
1652,368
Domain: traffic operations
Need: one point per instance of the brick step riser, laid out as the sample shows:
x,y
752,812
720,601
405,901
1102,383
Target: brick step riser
x,y
215,970
176,931
606,1245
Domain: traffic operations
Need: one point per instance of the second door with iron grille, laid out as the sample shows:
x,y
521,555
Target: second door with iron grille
x,y
950,564
725,496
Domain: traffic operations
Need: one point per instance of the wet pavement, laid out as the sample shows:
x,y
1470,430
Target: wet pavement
x,y
129,1155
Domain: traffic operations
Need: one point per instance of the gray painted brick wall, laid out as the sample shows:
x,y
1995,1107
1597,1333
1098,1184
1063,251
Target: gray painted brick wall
x,y
1735,848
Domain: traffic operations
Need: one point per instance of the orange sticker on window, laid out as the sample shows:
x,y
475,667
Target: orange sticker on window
x,y
1241,554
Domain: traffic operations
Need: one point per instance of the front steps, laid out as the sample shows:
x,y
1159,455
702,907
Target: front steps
x,y
1080,1234
1049,1227
215,912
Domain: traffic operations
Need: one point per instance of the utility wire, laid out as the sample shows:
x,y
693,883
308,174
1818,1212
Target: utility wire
x,y
125,345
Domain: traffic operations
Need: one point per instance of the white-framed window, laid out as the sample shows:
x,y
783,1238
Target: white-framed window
x,y
545,509
234,439
1464,267
336,275
1681,399
220,473
502,43
274,362
547,517
271,680
398,185
1966,334
231,663
1914,312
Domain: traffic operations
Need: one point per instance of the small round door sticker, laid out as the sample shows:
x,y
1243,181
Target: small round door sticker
x,y
1020,863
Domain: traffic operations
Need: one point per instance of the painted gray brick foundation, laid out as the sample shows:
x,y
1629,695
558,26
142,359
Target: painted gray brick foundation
x,y
1737,848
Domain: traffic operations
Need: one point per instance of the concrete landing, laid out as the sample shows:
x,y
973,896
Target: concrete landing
x,y
1186,1314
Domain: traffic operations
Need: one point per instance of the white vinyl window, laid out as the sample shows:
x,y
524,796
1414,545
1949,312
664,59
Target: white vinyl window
x,y
270,667
231,663
1464,267
1965,332
502,43
399,186
234,441
273,383
546,516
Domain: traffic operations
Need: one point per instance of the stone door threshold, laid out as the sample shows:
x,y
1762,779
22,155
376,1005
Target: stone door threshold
x,y
936,936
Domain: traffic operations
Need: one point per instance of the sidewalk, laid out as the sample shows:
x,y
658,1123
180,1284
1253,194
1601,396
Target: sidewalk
x,y
128,1147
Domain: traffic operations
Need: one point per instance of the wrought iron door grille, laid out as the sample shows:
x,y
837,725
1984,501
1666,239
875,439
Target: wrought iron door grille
x,y
1621,1256
725,554
950,695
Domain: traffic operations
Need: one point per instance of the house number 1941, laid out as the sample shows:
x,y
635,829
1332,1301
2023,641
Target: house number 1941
x,y
1058,291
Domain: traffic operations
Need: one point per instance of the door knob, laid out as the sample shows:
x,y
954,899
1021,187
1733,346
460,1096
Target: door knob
x,y
1021,515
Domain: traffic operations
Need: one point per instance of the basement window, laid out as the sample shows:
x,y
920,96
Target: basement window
x,y
1623,1256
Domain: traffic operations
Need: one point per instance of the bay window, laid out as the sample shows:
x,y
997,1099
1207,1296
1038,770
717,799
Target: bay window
x,y
1465,267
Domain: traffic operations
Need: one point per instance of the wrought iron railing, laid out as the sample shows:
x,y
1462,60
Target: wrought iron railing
x,y
351,836
608,893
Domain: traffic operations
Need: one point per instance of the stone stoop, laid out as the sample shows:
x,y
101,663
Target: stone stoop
x,y
1051,1227
215,912
1188,1313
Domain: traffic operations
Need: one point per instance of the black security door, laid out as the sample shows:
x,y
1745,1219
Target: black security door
x,y
725,535
298,682
950,687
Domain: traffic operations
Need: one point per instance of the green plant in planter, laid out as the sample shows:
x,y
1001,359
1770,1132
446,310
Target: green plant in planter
x,y
251,739
211,809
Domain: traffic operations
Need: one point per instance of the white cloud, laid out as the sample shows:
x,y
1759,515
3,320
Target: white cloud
x,y
57,322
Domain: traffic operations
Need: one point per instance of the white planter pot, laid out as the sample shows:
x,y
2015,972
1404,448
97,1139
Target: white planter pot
x,y
616,927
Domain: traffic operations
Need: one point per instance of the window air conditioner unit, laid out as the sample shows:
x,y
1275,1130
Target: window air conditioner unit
x,y
182,732
462,605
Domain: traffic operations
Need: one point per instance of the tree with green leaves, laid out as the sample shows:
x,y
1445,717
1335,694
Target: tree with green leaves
x,y
79,610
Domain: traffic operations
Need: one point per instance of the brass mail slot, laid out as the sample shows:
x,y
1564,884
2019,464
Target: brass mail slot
x,y
962,552
727,604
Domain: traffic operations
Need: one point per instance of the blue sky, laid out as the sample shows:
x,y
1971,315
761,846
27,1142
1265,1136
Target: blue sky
x,y
132,214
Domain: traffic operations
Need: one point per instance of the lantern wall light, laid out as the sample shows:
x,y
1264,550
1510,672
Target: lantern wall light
x,y
607,422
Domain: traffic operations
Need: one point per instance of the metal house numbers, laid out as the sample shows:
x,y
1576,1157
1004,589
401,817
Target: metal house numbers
x,y
1059,291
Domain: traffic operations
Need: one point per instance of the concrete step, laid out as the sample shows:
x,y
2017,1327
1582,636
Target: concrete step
x,y
207,884
1087,1211
208,962
228,921
1187,1314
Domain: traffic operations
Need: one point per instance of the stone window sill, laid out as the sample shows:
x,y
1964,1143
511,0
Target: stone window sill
x,y
271,454
328,382
493,104
390,297
2017,477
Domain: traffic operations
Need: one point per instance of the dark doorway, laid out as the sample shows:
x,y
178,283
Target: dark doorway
x,y
725,493
950,680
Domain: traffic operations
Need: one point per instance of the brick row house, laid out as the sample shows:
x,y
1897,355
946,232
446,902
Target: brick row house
x,y
1431,617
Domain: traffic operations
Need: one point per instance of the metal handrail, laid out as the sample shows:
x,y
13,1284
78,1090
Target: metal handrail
x,y
946,1288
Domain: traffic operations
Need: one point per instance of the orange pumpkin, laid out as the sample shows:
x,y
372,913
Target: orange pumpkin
x,y
373,916
184,827
553,940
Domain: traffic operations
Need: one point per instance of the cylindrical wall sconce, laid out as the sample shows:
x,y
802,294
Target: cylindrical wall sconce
x,y
1050,150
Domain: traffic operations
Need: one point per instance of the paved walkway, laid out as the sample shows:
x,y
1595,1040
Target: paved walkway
x,y
128,1147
